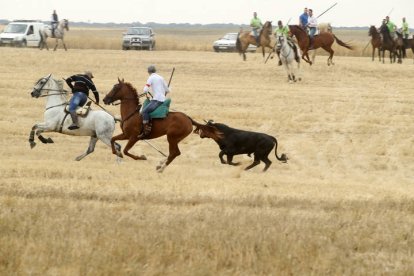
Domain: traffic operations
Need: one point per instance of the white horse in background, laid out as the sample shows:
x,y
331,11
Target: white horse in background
x,y
59,34
97,124
287,56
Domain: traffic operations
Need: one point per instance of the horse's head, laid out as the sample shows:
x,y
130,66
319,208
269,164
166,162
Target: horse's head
x,y
372,30
120,91
267,27
280,41
46,84
65,24
209,130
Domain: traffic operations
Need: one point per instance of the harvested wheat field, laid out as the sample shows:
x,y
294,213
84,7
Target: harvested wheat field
x,y
343,204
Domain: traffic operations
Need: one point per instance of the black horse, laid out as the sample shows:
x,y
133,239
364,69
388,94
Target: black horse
x,y
388,43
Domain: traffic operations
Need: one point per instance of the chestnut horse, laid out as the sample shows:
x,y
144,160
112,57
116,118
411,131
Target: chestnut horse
x,y
176,125
323,40
375,41
245,38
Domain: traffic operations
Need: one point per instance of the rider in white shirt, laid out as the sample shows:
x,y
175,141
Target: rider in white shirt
x,y
312,25
159,89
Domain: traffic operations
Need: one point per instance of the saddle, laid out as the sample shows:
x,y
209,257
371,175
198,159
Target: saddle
x,y
81,111
161,111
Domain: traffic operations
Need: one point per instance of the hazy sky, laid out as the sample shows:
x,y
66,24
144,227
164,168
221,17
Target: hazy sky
x,y
345,13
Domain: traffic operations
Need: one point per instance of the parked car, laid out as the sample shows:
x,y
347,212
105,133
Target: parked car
x,y
22,34
138,38
228,44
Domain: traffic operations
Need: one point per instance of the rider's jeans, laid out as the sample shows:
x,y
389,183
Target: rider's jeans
x,y
78,99
148,109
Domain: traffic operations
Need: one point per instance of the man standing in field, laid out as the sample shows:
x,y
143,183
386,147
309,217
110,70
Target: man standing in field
x,y
80,90
159,89
303,19
256,24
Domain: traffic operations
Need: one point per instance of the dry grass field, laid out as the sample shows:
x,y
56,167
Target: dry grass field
x,y
343,204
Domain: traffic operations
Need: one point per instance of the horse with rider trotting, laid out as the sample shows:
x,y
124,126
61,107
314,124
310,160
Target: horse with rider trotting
x,y
57,32
260,36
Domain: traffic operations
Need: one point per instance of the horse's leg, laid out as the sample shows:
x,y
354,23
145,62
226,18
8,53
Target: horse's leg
x,y
90,149
174,151
305,56
331,53
373,53
131,142
64,45
57,42
39,129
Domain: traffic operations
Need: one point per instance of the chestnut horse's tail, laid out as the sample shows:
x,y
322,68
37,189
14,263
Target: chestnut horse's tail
x,y
194,123
238,43
343,44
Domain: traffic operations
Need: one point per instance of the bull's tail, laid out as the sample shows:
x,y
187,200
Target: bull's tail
x,y
343,44
238,44
283,157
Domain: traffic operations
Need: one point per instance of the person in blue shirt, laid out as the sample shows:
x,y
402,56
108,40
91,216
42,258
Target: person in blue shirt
x,y
303,19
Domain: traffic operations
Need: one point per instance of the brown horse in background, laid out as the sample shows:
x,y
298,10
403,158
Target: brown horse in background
x,y
375,41
323,40
245,38
176,125
389,44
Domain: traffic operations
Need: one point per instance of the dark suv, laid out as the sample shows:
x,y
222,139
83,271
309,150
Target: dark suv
x,y
138,38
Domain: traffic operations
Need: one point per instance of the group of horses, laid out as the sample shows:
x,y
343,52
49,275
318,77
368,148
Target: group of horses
x,y
100,124
323,40
381,39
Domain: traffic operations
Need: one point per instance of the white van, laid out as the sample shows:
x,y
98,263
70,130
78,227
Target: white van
x,y
21,33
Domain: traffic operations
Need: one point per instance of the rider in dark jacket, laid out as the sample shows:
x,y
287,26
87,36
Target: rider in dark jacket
x,y
54,22
80,90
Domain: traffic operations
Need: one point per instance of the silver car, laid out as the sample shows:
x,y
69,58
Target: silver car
x,y
138,38
228,44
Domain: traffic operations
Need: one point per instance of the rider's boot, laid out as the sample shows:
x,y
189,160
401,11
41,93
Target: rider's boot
x,y
75,124
146,130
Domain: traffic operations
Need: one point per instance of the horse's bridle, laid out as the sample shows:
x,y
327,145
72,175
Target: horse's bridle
x,y
62,91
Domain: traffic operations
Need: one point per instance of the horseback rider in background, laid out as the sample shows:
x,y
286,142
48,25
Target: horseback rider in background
x,y
160,90
54,22
312,24
303,19
284,31
392,28
83,82
256,24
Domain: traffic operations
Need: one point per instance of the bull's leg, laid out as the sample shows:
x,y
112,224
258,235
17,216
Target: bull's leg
x,y
254,164
221,154
267,163
230,160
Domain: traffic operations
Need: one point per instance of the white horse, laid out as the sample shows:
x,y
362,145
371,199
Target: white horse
x,y
98,124
59,34
287,56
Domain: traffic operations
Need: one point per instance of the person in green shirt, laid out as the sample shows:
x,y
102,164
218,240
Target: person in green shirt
x,y
404,29
391,27
256,24
284,31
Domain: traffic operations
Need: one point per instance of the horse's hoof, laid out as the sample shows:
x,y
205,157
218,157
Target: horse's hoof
x,y
32,144
142,157
50,141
